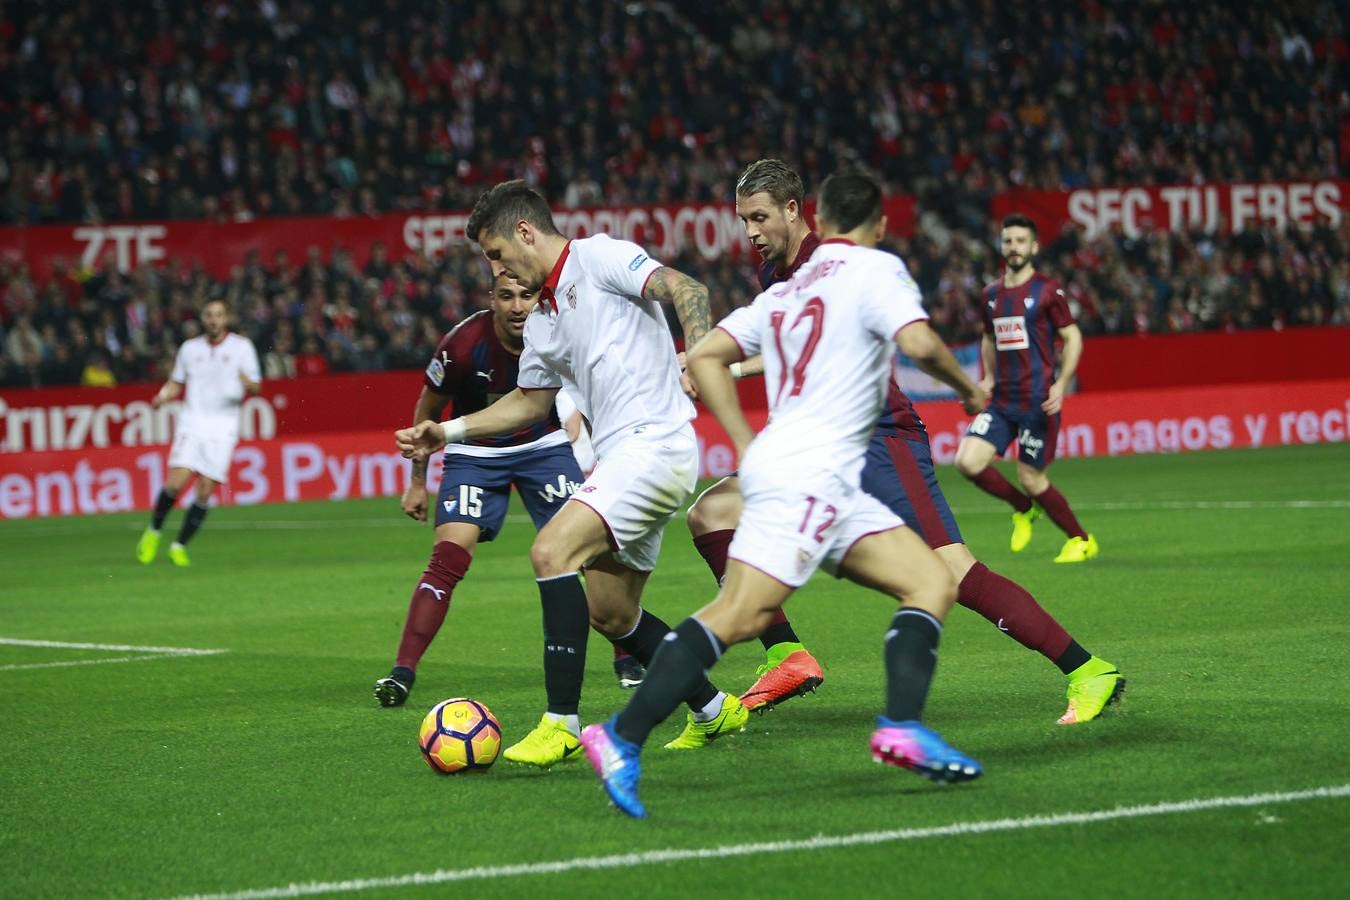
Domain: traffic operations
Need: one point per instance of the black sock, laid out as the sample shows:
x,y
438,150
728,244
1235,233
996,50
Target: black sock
x,y
676,670
1073,656
567,622
643,642
163,503
403,674
196,514
779,633
911,657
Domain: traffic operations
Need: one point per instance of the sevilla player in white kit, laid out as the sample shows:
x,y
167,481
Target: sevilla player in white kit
x,y
598,331
828,336
217,368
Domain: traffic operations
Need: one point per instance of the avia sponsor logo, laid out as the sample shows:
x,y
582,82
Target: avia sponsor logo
x,y
1010,333
561,491
99,425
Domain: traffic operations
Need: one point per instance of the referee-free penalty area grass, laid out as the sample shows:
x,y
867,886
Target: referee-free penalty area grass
x,y
137,764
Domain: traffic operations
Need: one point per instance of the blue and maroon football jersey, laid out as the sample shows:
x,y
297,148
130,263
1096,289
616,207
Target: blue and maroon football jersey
x,y
1024,323
897,412
472,369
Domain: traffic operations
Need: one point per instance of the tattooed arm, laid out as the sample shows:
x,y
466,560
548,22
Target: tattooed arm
x,y
689,297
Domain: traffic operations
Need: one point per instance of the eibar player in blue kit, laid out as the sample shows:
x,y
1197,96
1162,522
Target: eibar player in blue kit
x,y
827,336
1025,317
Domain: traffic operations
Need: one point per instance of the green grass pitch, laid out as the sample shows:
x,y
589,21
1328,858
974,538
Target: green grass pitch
x,y
1222,592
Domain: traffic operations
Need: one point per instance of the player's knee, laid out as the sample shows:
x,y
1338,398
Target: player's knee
x,y
551,556
968,465
614,623
713,512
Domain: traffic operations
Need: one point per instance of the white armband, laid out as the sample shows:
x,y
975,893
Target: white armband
x,y
455,430
737,370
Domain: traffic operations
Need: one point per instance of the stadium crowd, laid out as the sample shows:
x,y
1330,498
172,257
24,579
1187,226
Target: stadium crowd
x,y
234,110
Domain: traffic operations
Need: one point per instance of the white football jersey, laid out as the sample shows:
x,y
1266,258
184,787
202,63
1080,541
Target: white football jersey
x,y
214,392
593,335
828,337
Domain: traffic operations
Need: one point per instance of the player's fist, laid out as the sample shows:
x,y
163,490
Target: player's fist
x,y
421,440
415,501
975,403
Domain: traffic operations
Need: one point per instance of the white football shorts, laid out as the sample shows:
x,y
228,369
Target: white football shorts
x,y
636,489
204,455
787,531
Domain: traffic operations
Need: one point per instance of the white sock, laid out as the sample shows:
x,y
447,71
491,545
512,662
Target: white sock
x,y
712,710
573,723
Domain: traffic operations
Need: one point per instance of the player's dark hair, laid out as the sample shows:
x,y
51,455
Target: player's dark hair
x,y
848,200
501,207
773,177
1017,220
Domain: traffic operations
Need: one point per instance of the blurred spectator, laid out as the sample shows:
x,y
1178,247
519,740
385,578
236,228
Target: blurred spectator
x,y
97,372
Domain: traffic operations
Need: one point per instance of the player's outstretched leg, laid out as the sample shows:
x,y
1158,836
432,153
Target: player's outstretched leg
x,y
426,613
789,669
1093,682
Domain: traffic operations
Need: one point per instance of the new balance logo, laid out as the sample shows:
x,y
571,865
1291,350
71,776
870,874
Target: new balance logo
x,y
440,595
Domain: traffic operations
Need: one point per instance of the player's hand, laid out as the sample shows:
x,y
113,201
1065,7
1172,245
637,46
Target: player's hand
x,y
1054,399
421,440
976,402
415,501
158,400
686,383
987,384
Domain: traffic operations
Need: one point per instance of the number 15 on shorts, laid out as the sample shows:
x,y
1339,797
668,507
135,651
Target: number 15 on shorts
x,y
470,501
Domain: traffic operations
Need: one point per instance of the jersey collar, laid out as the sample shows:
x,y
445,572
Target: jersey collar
x,y
839,240
809,245
546,294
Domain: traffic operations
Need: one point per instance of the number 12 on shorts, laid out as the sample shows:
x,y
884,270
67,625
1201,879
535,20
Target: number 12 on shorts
x,y
470,500
823,520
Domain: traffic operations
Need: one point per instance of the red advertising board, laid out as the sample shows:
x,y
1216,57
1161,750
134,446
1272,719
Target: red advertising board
x,y
1211,208
78,418
341,465
711,229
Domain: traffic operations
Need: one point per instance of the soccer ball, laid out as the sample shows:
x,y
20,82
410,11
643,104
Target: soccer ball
x,y
460,735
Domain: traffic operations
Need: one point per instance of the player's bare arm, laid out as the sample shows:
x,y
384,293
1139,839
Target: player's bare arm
x,y
171,391
987,351
414,500
687,295
709,366
251,387
921,343
511,413
752,366
1073,352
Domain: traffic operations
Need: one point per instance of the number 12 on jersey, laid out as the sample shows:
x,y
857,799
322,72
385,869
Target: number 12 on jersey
x,y
826,517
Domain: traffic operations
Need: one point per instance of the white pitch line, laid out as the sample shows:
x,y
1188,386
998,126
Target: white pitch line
x,y
130,648
820,842
98,662
149,653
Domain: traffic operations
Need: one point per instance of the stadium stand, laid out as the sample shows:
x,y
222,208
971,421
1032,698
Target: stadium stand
x,y
231,111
